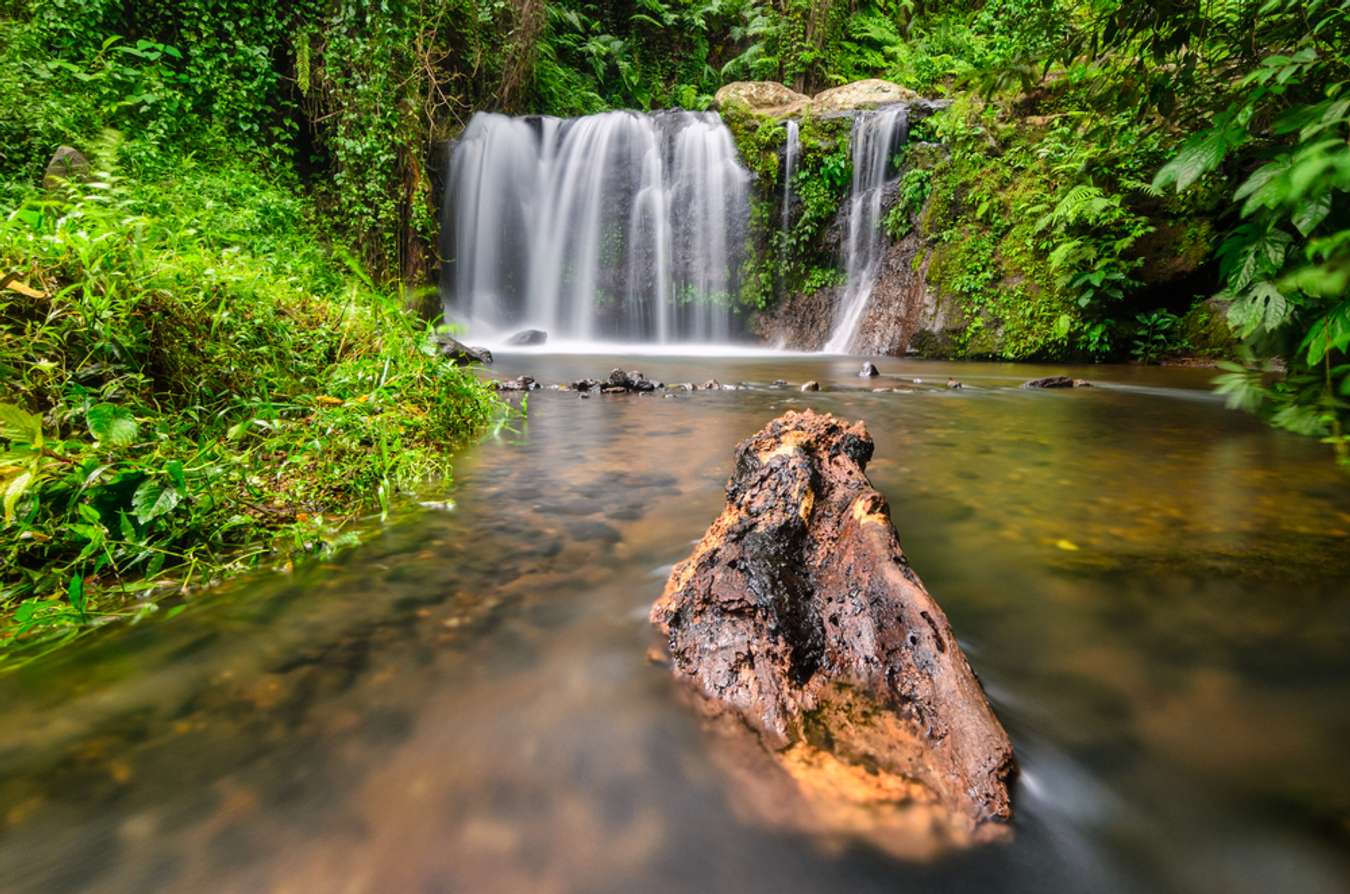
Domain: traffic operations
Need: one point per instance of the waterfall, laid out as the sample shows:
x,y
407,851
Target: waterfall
x,y
789,164
612,226
875,137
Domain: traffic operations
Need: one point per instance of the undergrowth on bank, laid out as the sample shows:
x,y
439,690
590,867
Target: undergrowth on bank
x,y
194,382
208,353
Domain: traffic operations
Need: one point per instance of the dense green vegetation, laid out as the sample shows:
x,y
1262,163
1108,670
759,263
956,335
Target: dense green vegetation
x,y
207,342
207,337
1117,181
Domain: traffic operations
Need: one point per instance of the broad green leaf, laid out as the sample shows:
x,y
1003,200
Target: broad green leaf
x,y
1262,307
1310,213
1252,253
1203,152
153,499
18,485
112,425
93,535
17,424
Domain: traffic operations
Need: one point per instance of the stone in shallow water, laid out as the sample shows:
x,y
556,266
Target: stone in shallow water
x,y
799,616
528,337
1057,382
519,383
869,370
461,354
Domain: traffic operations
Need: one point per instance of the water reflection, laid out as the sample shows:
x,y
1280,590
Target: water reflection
x,y
1152,589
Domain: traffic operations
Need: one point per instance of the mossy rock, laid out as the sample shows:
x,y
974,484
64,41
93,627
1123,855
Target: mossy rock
x,y
1205,327
1174,249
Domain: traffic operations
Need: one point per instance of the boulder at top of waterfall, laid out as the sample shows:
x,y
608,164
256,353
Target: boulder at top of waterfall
x,y
763,97
869,94
528,337
799,614
461,354
67,163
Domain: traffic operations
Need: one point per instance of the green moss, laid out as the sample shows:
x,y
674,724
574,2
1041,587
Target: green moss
x,y
1205,328
780,262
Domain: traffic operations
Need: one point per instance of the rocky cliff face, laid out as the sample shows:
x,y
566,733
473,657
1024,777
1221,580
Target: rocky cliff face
x,y
799,615
906,314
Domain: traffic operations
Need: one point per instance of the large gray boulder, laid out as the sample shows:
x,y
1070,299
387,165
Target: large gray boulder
x,y
763,98
869,94
67,163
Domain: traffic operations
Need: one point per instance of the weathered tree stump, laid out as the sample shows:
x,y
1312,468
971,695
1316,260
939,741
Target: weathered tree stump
x,y
798,614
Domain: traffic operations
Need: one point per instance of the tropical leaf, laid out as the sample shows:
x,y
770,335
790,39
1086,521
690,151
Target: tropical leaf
x,y
1253,252
112,425
1205,151
1262,307
18,486
154,498
1330,333
17,424
1309,214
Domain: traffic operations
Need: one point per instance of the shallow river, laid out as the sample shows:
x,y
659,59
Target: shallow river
x,y
1154,590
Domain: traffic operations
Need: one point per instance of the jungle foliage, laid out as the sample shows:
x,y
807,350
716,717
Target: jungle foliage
x,y
1112,172
206,341
205,338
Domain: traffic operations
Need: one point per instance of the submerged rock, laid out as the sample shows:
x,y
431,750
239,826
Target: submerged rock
x,y
528,337
869,370
460,353
799,616
1057,382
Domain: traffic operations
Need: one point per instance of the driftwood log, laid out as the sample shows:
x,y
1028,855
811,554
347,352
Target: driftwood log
x,y
799,617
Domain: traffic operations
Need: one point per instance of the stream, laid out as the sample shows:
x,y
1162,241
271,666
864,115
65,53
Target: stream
x,y
1152,589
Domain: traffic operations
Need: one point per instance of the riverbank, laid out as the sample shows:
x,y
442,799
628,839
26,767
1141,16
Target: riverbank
x,y
198,383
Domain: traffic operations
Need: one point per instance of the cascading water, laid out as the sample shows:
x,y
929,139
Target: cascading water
x,y
612,226
875,137
789,168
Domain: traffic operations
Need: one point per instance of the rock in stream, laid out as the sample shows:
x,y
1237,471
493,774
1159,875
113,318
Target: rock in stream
x,y
799,616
